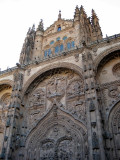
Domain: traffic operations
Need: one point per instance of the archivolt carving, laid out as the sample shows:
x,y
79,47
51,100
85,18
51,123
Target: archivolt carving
x,y
60,86
51,67
57,138
99,58
116,70
5,100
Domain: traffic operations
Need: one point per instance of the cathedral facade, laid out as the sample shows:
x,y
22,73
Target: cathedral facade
x,y
62,100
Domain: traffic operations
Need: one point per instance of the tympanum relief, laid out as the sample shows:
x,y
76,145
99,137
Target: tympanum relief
x,y
62,87
61,139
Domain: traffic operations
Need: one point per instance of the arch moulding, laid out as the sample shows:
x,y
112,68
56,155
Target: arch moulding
x,y
103,54
71,66
6,81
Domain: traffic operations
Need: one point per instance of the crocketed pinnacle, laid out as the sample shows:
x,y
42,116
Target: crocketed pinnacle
x,y
40,26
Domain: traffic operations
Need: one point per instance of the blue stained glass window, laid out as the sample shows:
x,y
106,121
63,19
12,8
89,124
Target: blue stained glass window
x,y
68,45
49,52
59,28
61,47
73,44
45,53
52,42
64,38
56,49
58,39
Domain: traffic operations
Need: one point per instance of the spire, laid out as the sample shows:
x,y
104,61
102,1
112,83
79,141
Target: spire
x,y
59,15
29,30
77,14
94,18
82,11
40,26
33,27
96,30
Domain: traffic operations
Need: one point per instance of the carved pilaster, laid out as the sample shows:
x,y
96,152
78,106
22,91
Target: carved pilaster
x,y
11,138
96,150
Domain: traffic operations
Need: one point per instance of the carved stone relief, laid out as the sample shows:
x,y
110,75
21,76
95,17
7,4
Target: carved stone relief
x,y
113,91
63,87
61,139
116,70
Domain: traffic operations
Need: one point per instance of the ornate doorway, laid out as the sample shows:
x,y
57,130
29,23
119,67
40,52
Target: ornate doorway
x,y
56,117
58,137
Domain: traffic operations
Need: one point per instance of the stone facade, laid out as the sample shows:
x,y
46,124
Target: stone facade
x,y
62,100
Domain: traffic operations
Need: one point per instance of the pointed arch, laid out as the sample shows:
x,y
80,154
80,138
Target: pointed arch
x,y
55,135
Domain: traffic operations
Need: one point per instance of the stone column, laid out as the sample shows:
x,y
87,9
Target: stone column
x,y
95,139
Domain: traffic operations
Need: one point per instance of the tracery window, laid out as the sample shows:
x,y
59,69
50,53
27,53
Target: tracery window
x,y
56,49
61,47
47,52
70,45
65,37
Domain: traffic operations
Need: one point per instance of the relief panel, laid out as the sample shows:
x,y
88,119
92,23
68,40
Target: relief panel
x,y
61,86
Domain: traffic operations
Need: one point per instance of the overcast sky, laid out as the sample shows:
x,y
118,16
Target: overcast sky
x,y
16,16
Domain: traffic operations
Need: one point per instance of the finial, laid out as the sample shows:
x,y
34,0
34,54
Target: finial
x,y
40,26
33,27
59,15
29,30
77,6
94,14
82,10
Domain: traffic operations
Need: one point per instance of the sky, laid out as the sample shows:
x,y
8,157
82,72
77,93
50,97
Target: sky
x,y
16,16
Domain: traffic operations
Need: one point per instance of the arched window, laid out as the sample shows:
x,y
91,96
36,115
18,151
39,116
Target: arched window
x,y
64,38
49,52
72,44
52,42
61,47
59,28
57,39
68,45
56,49
45,53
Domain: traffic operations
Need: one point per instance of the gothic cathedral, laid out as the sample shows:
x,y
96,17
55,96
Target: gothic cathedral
x,y
62,100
